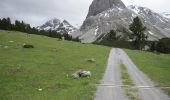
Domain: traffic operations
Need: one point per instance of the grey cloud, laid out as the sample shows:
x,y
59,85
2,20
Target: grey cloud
x,y
36,12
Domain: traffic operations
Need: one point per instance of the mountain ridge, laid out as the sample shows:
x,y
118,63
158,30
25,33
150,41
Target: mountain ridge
x,y
58,26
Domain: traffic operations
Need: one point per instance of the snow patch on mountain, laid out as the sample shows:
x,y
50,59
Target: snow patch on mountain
x,y
96,30
134,8
151,33
146,13
165,14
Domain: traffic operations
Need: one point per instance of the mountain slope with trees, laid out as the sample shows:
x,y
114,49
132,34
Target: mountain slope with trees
x,y
21,26
114,15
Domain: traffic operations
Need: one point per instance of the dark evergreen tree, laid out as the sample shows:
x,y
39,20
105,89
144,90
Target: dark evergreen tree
x,y
67,36
5,24
8,24
111,36
163,45
17,26
138,35
153,45
0,24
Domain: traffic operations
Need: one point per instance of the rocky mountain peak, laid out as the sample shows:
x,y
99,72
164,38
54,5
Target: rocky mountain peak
x,y
58,26
99,6
140,10
53,22
65,21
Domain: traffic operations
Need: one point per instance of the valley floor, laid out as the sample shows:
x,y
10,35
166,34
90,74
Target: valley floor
x,y
44,72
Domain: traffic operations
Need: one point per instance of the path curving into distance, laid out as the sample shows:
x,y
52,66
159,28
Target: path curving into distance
x,y
110,87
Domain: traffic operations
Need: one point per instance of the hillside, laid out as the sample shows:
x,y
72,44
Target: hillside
x,y
44,72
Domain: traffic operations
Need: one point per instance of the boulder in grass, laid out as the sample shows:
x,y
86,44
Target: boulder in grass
x,y
85,73
81,73
27,46
75,75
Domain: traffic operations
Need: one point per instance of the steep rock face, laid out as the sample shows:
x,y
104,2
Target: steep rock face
x,y
115,16
58,26
99,6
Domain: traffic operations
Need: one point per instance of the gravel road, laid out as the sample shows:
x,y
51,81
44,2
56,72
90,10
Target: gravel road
x,y
111,77
110,86
141,80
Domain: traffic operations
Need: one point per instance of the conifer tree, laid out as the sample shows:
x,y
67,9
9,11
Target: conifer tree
x,y
138,35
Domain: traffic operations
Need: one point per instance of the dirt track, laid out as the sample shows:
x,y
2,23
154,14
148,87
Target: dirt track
x,y
110,87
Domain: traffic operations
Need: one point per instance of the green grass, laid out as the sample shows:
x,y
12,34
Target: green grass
x,y
126,79
156,66
48,66
131,92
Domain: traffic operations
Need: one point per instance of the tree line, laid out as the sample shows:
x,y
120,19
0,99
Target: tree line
x,y
5,24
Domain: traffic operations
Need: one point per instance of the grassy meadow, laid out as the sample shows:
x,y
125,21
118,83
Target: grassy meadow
x,y
155,65
44,72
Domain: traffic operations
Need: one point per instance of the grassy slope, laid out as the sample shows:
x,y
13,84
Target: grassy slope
x,y
24,71
156,66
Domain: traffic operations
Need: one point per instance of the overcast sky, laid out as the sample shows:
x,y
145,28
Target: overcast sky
x,y
36,12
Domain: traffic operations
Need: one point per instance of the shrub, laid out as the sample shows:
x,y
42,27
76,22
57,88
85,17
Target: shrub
x,y
163,45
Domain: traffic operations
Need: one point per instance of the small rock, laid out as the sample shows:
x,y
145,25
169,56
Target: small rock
x,y
81,73
6,47
27,46
39,89
11,41
75,75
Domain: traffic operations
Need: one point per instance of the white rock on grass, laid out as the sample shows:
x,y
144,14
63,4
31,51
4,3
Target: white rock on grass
x,y
75,75
11,41
6,47
81,73
40,89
